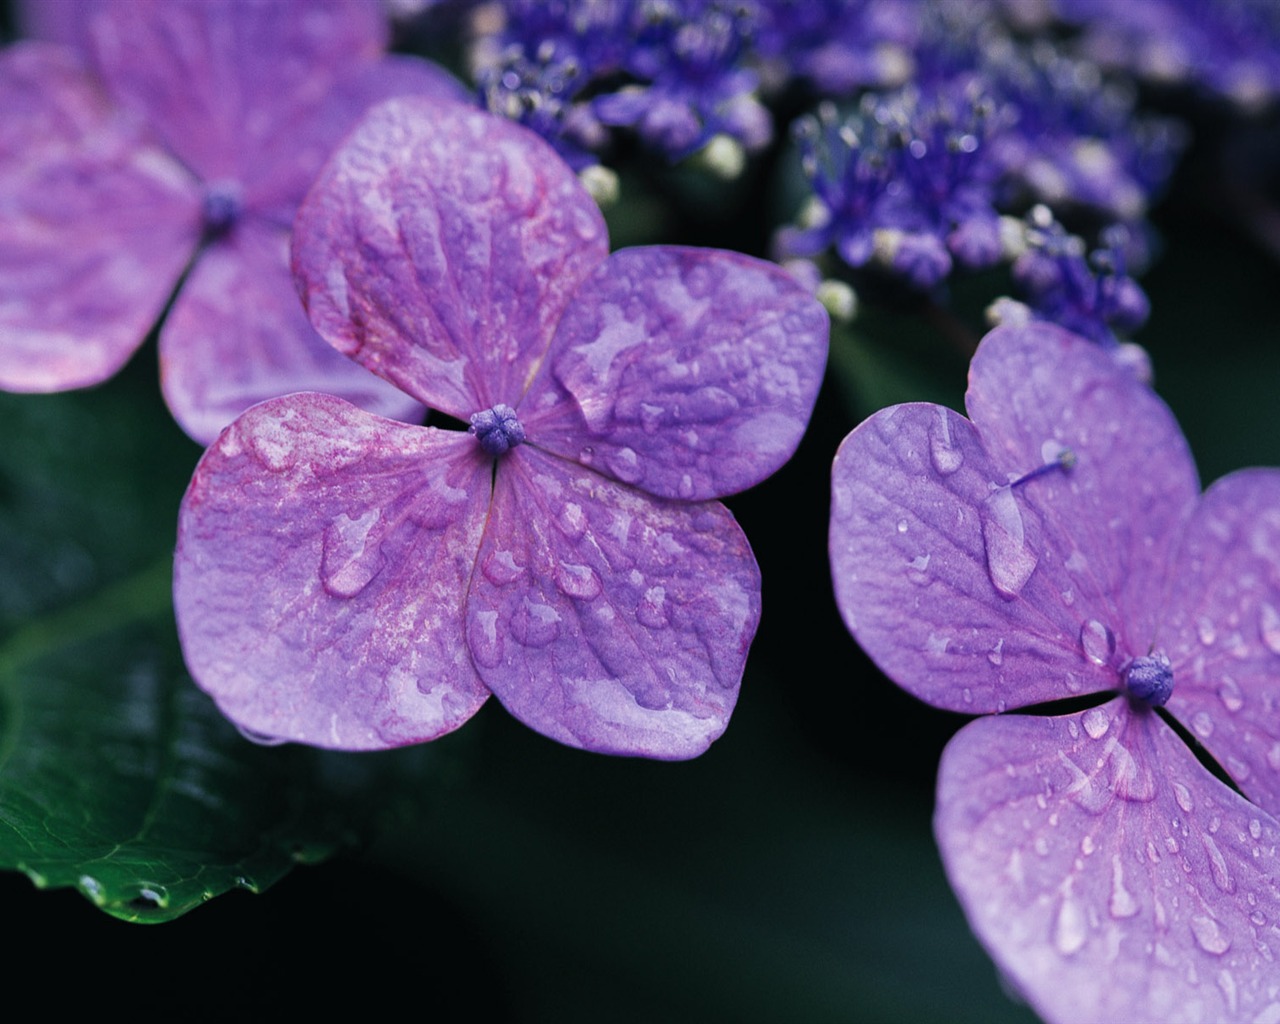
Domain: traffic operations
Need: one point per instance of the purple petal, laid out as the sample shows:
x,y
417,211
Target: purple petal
x,y
608,620
977,595
219,81
237,335
689,373
925,549
1110,876
1111,522
96,225
440,247
322,564
1223,630
288,160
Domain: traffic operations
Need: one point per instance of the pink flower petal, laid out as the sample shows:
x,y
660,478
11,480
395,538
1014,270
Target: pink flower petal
x,y
606,619
1107,872
1223,630
690,373
440,246
96,225
322,562
237,334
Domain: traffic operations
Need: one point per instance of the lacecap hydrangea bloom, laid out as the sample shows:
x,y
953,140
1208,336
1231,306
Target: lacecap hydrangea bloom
x,y
1056,545
352,582
146,143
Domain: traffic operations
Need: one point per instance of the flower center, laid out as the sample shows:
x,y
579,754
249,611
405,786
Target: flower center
x,y
1150,678
497,429
223,204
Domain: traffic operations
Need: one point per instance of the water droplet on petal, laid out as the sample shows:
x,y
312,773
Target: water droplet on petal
x,y
1202,724
535,624
946,458
260,738
1255,828
1069,929
571,522
1210,935
1218,865
1183,796
652,609
685,487
351,558
578,581
483,639
1009,561
1273,756
1232,698
1269,624
918,569
996,654
501,568
625,465
902,526
1096,722
1097,641
1122,903
1205,630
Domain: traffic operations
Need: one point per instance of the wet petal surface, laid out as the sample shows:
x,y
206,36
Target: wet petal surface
x,y
237,334
689,373
96,225
1223,630
1107,872
322,563
607,619
439,248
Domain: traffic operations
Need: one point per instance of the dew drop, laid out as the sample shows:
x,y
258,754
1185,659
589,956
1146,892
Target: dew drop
x,y
685,488
1273,756
1205,630
902,526
1218,865
1209,935
1122,904
1097,641
1087,845
625,465
1232,698
1255,828
918,569
1227,983
501,568
967,695
260,738
946,457
1183,796
91,887
1009,561
577,581
1096,722
1202,723
571,522
652,609
351,557
1258,918
483,639
535,624
1068,597
1269,625
1069,930
996,654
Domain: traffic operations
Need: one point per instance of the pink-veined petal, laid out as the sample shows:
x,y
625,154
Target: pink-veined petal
x,y
1113,521
237,335
1109,874
1223,630
689,373
607,619
96,224
440,246
916,516
218,82
321,572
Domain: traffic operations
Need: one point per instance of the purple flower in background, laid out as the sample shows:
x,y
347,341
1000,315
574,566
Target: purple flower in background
x,y
1055,545
150,143
348,581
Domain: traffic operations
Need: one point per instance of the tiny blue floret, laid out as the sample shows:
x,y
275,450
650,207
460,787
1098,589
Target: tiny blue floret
x,y
1150,678
497,429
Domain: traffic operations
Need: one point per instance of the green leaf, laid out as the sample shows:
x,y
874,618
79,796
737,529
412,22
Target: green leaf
x,y
117,775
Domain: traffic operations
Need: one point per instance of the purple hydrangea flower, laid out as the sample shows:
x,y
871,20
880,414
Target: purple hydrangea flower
x,y
352,582
154,142
1056,545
